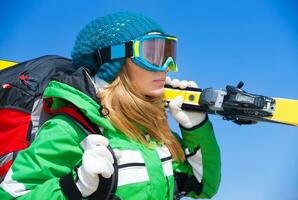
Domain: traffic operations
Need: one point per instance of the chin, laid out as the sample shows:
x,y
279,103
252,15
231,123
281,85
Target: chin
x,y
156,93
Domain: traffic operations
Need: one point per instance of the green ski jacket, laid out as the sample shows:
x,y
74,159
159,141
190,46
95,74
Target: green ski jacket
x,y
144,172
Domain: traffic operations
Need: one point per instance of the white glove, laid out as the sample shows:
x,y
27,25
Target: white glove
x,y
187,119
97,159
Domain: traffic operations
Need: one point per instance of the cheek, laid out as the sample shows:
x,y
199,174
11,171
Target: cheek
x,y
141,76
148,87
143,80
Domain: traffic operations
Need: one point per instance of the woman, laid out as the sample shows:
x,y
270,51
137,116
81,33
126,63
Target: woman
x,y
130,55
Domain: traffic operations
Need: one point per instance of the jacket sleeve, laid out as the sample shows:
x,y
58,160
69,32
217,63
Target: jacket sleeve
x,y
199,176
36,172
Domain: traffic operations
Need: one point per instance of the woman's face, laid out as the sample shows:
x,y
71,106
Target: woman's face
x,y
149,83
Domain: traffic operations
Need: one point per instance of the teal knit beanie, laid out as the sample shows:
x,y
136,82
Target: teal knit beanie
x,y
107,31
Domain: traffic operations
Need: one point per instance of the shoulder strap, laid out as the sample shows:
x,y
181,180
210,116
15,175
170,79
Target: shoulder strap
x,y
78,118
107,187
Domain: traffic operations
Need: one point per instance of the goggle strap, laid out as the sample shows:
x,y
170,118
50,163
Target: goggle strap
x,y
115,52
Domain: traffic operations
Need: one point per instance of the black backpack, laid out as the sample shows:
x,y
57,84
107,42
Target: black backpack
x,y
22,110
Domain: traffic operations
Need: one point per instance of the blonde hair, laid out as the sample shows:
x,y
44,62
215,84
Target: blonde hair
x,y
128,111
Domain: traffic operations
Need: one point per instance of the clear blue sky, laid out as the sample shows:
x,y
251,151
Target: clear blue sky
x,y
220,43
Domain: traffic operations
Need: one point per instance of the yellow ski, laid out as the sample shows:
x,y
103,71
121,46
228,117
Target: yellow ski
x,y
286,111
232,104
283,111
5,63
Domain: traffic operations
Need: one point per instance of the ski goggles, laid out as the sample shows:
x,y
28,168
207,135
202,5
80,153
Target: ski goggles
x,y
152,52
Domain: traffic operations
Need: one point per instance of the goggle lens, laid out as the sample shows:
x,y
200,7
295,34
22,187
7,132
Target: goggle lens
x,y
157,50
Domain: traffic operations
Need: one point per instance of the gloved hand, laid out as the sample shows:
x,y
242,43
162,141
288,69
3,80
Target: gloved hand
x,y
187,119
97,159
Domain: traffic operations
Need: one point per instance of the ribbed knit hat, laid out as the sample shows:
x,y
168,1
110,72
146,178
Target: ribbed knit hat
x,y
107,31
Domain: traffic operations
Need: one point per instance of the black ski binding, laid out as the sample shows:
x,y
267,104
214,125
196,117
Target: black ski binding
x,y
249,104
237,105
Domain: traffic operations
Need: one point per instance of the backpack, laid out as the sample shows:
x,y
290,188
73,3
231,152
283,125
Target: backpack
x,y
23,111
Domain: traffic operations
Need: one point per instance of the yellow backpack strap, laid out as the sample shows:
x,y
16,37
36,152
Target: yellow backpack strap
x,y
5,64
